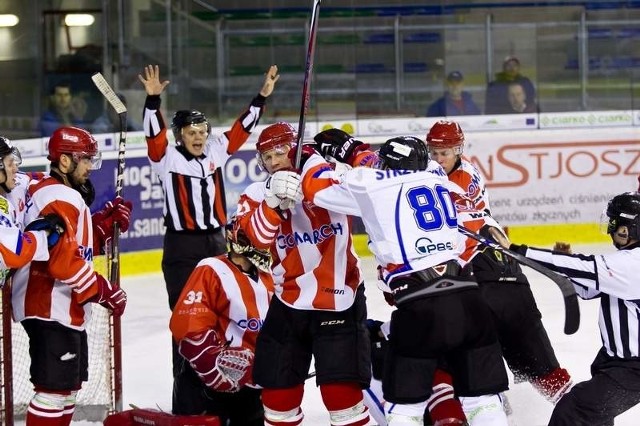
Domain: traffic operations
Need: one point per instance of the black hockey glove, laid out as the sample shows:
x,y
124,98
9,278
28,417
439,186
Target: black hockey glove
x,y
340,145
52,223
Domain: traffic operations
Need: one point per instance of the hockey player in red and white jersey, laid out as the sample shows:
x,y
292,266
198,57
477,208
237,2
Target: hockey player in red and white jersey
x,y
18,248
215,324
525,344
53,299
319,309
440,315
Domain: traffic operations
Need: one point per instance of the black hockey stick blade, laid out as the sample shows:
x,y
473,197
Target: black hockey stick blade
x,y
306,85
571,306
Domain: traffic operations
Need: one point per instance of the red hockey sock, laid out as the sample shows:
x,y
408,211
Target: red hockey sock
x,y
67,415
345,404
442,404
553,384
47,408
44,416
282,406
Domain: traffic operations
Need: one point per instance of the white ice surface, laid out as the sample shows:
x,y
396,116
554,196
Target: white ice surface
x,y
147,350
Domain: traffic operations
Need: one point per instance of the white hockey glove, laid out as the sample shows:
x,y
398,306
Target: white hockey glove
x,y
221,368
283,190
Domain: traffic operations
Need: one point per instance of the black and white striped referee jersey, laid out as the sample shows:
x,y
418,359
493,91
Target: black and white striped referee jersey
x,y
194,198
615,279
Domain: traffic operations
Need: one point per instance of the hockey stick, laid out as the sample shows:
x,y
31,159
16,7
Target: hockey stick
x,y
571,307
113,255
311,48
121,110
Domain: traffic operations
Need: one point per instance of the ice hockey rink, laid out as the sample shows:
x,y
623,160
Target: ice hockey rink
x,y
147,353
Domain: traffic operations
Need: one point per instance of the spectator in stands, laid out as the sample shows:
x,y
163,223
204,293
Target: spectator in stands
x,y
455,100
109,122
497,96
64,109
518,100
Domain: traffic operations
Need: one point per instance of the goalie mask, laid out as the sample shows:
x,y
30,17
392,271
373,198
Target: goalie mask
x,y
239,244
403,153
623,211
184,118
446,134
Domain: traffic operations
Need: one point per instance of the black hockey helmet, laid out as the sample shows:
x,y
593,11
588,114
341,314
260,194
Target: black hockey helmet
x,y
185,117
403,152
624,210
6,149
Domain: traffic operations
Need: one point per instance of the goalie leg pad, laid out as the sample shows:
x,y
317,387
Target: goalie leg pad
x,y
345,404
147,416
282,406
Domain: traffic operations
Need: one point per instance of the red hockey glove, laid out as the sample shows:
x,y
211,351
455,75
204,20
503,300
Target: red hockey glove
x,y
307,151
221,368
340,145
116,211
111,296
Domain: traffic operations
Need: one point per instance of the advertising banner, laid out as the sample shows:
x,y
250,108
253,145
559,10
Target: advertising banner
x,y
555,177
534,177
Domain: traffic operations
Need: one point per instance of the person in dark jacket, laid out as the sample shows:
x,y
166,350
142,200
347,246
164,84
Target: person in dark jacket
x,y
455,100
497,95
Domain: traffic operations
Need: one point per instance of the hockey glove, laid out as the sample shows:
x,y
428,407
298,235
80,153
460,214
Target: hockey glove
x,y
283,190
307,151
221,368
116,211
339,145
110,296
496,235
52,223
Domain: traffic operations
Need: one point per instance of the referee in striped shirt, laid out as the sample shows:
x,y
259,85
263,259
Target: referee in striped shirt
x,y
614,278
194,200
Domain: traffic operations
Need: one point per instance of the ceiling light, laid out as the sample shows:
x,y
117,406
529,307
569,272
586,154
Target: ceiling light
x,y
8,20
78,20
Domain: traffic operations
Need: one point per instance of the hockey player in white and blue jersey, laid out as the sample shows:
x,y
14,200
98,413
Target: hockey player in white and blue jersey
x,y
613,278
410,215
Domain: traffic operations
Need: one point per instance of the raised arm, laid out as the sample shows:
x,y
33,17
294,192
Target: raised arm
x,y
155,129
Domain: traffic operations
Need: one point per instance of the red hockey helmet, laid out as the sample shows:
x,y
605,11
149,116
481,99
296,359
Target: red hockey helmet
x,y
446,134
75,142
277,134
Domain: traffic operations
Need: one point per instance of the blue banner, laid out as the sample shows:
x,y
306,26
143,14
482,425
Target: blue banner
x,y
142,187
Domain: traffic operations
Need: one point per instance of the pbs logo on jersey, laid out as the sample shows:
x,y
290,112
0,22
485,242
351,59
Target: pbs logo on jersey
x,y
425,246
